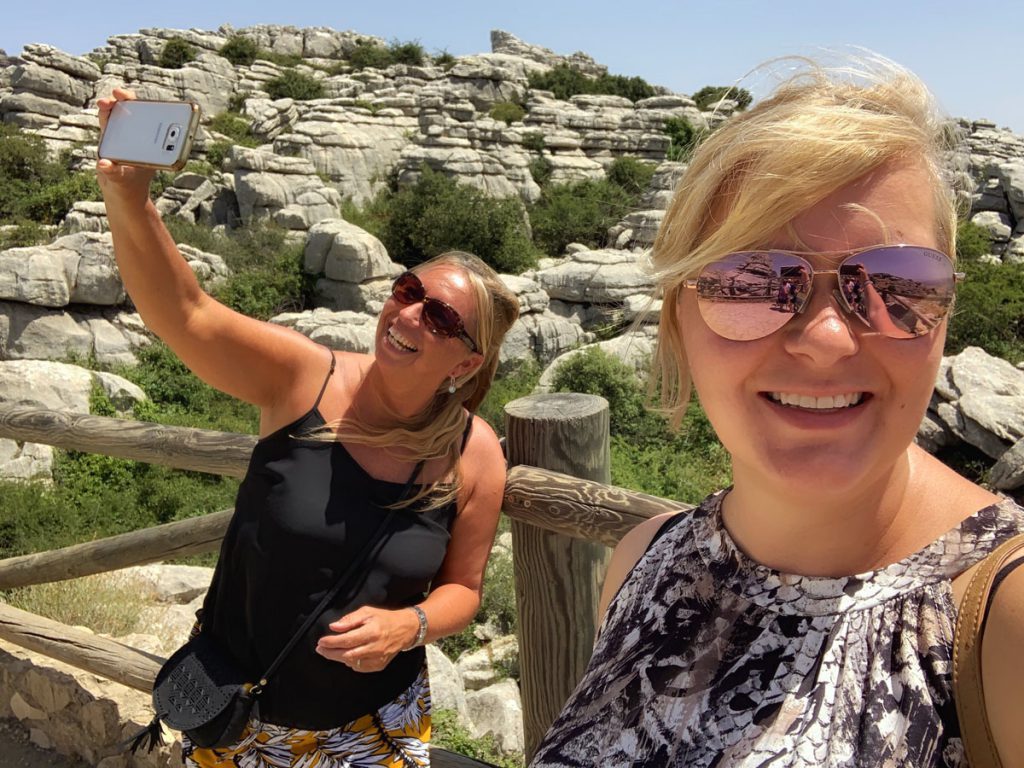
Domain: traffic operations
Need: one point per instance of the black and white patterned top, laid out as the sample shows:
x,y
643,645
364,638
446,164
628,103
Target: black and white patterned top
x,y
707,658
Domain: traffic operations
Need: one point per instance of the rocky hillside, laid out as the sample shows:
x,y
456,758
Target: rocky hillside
x,y
301,123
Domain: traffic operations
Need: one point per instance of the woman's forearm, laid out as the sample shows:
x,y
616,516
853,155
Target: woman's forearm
x,y
161,284
449,608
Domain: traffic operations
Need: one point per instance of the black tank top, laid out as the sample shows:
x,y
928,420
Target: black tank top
x,y
304,509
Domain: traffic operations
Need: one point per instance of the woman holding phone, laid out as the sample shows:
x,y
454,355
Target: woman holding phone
x,y
805,615
345,438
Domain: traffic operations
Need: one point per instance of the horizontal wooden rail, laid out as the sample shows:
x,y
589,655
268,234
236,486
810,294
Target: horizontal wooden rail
x,y
93,653
538,497
579,508
192,536
201,450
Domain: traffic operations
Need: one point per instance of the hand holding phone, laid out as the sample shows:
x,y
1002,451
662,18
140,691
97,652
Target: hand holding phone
x,y
151,134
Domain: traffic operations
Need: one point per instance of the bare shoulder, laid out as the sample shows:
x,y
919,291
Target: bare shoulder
x,y
627,552
482,458
1002,672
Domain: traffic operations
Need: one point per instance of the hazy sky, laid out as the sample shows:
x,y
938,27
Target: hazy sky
x,y
967,57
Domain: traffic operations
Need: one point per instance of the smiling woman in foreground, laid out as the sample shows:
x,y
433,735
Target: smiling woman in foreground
x,y
805,616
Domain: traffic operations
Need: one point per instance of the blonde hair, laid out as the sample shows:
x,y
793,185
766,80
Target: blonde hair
x,y
437,431
821,130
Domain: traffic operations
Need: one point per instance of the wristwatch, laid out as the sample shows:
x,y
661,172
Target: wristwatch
x,y
421,633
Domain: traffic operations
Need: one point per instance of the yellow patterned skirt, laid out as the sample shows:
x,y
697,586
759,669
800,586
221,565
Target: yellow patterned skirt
x,y
395,736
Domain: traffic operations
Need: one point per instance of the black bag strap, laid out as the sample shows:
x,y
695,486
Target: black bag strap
x,y
374,544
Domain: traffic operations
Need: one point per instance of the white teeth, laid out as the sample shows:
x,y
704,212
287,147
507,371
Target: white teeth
x,y
400,341
817,403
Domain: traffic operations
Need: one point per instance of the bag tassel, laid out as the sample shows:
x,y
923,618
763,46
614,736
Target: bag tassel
x,y
153,731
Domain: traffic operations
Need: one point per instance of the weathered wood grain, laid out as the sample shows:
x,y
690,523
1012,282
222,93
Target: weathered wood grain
x,y
201,450
81,649
558,579
184,537
579,508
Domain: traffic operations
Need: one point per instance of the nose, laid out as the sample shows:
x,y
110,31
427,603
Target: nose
x,y
822,334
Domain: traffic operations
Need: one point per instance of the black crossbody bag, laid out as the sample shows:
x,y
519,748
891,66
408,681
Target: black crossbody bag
x,y
201,691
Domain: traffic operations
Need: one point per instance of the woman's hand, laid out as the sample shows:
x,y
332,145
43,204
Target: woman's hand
x,y
120,183
369,638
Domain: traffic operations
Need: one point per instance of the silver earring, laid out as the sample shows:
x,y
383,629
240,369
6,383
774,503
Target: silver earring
x,y
451,386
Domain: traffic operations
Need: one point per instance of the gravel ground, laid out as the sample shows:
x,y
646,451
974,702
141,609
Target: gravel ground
x,y
16,751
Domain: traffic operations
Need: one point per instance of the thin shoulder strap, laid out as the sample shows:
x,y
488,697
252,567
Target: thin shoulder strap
x,y
327,379
968,692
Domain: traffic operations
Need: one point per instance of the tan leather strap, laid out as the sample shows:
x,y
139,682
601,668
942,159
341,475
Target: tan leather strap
x,y
968,691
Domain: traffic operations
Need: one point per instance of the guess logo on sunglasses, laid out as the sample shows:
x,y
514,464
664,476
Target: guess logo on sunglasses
x,y
899,291
439,318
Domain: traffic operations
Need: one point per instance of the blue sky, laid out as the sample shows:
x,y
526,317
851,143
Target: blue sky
x,y
969,59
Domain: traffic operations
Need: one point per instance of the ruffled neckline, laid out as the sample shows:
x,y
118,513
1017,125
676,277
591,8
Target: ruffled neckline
x,y
788,593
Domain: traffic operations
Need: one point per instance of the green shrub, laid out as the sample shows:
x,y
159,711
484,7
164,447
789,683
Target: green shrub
x,y
711,94
972,241
292,84
507,111
50,203
447,733
24,234
580,212
216,152
632,175
240,50
177,53
410,53
989,310
594,372
35,188
267,270
517,381
235,127
444,60
368,54
533,141
541,169
285,60
437,214
646,456
682,138
565,81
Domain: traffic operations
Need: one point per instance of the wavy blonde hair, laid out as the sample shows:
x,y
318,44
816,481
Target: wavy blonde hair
x,y
437,431
819,131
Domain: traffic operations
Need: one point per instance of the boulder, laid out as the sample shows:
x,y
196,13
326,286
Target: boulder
x,y
597,277
634,349
489,664
61,386
497,711
447,690
345,330
344,252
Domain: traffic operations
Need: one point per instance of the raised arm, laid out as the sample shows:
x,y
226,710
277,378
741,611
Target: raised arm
x,y
255,361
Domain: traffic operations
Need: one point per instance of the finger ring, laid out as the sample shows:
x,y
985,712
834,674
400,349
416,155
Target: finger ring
x,y
359,663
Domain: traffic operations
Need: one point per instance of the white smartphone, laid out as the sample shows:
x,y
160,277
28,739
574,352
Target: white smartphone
x,y
153,134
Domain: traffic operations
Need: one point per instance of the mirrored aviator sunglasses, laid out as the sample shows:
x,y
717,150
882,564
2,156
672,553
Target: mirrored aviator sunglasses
x,y
899,291
439,318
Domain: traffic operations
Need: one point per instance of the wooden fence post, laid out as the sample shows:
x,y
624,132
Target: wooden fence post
x,y
558,579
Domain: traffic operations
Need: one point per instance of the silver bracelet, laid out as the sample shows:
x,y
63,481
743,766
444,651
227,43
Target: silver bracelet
x,y
421,634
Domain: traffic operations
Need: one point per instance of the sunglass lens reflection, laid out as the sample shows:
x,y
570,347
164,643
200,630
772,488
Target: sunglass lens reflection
x,y
750,295
900,292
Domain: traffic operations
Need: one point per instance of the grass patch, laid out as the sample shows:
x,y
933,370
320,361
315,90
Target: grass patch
x,y
103,603
447,733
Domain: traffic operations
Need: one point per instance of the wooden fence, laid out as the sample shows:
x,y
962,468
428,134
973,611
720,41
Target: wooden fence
x,y
564,518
